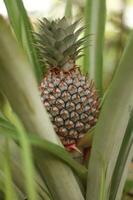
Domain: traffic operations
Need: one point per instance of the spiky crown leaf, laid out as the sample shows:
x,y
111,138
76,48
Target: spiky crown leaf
x,y
58,41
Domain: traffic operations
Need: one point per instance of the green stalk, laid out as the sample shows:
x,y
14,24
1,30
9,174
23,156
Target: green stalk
x,y
18,83
110,129
95,13
68,9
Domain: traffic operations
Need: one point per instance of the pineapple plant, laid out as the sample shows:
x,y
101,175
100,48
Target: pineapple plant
x,y
69,96
54,174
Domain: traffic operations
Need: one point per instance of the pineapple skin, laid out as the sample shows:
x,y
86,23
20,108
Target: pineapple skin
x,y
72,103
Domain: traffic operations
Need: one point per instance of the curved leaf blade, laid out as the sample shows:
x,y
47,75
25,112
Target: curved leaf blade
x,y
56,150
95,14
124,158
110,129
24,32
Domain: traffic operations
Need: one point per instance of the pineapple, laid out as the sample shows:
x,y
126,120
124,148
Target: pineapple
x,y
69,96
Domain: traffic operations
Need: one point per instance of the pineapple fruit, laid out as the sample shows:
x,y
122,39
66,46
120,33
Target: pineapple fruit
x,y
69,96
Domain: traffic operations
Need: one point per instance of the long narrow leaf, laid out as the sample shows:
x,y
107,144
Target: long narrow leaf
x,y
68,9
56,150
121,168
27,161
111,126
24,32
17,168
9,186
95,12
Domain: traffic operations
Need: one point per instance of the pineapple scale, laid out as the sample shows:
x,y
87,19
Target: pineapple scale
x,y
72,103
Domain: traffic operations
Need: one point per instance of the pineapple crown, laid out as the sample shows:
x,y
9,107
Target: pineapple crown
x,y
58,42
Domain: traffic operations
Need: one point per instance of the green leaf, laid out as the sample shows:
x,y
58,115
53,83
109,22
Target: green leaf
x,y
124,158
18,64
24,32
4,107
26,154
95,12
68,9
110,129
56,150
9,186
17,167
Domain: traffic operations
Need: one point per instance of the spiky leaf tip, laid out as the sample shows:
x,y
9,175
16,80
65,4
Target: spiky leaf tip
x,y
58,41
